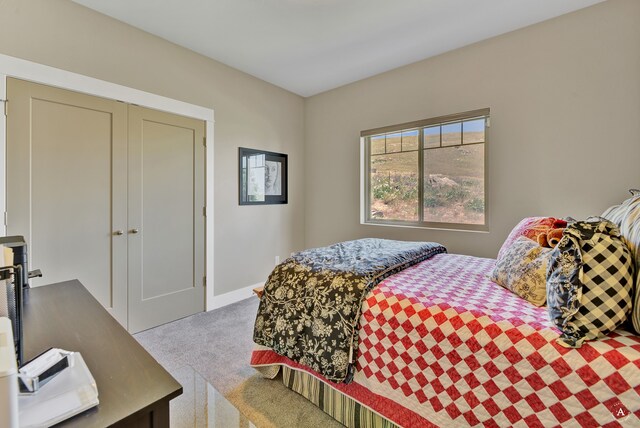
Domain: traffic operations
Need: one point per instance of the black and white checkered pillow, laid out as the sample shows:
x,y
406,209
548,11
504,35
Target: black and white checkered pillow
x,y
589,282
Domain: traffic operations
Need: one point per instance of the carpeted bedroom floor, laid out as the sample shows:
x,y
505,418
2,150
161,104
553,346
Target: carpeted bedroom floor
x,y
218,345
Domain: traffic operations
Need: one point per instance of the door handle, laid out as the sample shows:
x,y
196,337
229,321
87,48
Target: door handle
x,y
118,232
134,231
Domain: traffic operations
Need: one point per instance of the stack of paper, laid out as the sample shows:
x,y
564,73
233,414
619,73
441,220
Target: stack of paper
x,y
72,391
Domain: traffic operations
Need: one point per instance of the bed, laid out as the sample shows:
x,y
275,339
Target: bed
x,y
440,344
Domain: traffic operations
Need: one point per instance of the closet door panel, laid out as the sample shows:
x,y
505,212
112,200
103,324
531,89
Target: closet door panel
x,y
166,222
66,187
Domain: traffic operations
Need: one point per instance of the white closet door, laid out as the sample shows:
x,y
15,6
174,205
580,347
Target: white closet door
x,y
112,195
166,219
67,185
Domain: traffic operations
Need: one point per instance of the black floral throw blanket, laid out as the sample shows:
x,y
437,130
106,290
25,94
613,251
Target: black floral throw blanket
x,y
310,308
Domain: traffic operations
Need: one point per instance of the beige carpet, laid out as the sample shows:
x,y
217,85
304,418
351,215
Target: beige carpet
x,y
218,345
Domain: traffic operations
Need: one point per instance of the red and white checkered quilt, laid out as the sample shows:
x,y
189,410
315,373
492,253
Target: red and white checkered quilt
x,y
440,344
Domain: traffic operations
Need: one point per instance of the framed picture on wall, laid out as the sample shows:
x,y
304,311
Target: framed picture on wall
x,y
262,177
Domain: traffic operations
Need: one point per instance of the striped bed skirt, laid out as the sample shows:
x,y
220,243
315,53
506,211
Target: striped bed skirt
x,y
344,409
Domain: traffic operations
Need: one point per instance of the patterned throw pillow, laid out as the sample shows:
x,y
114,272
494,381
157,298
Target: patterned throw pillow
x,y
530,227
616,213
627,217
523,270
589,282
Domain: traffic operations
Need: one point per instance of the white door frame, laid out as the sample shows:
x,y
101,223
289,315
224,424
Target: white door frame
x,y
34,72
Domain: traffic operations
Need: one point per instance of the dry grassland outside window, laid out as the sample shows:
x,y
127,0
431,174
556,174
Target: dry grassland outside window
x,y
429,173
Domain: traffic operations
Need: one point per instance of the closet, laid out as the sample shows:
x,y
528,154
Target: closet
x,y
111,194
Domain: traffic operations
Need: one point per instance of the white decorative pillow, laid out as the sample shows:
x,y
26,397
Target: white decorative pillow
x,y
523,269
627,217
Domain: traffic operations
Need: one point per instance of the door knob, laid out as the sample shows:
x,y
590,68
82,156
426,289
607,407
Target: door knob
x,y
118,232
134,231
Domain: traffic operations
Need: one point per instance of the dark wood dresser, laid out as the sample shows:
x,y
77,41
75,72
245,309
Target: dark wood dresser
x,y
133,389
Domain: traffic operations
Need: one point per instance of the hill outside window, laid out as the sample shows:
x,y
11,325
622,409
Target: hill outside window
x,y
430,173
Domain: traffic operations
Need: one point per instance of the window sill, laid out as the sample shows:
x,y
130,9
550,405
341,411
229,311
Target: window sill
x,y
444,228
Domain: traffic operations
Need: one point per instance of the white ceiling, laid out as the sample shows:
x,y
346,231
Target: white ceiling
x,y
310,46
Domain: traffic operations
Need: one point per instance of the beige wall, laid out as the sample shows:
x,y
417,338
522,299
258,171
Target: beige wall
x,y
248,112
564,98
565,125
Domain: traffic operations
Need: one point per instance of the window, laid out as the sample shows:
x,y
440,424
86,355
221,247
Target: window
x,y
429,173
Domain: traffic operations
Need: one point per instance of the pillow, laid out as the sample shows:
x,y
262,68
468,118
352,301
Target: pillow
x,y
523,270
530,227
616,213
627,217
589,282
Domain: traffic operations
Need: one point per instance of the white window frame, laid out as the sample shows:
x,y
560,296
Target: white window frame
x,y
365,174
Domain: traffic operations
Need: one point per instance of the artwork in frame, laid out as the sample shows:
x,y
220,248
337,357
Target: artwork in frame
x,y
262,177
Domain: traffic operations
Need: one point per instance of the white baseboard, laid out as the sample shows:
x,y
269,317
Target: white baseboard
x,y
235,296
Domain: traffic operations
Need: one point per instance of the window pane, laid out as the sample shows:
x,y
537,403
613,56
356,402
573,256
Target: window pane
x,y
473,131
452,134
431,137
394,186
454,185
410,140
377,145
394,142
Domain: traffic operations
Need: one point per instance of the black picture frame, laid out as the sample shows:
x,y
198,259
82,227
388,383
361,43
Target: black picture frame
x,y
262,177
